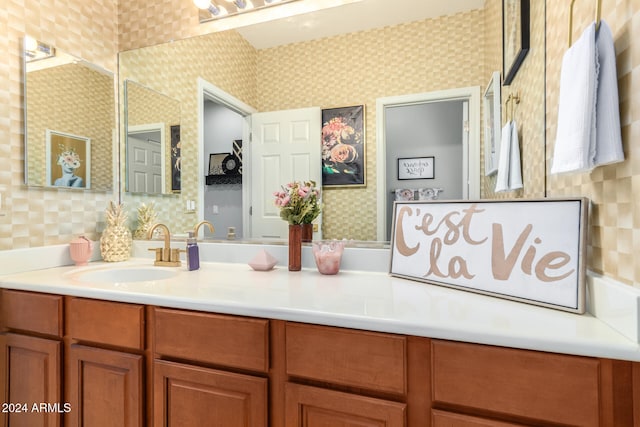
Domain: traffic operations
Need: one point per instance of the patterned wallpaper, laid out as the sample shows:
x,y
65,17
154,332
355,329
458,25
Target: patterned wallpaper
x,y
76,100
37,216
417,57
146,106
614,238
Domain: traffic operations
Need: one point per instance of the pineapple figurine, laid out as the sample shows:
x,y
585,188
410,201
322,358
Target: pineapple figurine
x,y
115,243
146,218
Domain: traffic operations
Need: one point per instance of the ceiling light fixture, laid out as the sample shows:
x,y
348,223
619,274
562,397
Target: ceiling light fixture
x,y
213,9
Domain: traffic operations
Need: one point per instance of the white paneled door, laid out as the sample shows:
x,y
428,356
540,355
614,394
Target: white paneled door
x,y
285,147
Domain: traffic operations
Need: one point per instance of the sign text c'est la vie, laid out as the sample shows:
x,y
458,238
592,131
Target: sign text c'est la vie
x,y
457,227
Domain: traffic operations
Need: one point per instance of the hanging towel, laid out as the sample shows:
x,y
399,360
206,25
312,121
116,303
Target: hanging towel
x,y
515,168
608,133
575,137
502,177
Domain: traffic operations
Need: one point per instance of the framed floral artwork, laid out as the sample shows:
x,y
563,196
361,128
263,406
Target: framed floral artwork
x,y
68,160
515,37
343,147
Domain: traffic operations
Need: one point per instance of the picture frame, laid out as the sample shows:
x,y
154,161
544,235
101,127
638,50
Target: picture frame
x,y
515,37
176,159
343,147
68,160
492,124
416,168
215,163
502,248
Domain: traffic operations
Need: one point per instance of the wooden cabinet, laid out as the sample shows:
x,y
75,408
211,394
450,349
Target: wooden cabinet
x,y
316,407
186,395
529,386
221,377
104,375
133,365
104,387
31,359
32,367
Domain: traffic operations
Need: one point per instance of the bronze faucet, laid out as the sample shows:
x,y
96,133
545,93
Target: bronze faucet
x,y
197,227
166,256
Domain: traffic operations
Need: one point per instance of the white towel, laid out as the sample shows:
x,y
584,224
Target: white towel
x,y
608,133
502,177
575,137
515,168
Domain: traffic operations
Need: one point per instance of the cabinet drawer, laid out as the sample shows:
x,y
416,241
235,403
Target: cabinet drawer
x,y
232,341
451,419
542,386
112,323
343,356
33,312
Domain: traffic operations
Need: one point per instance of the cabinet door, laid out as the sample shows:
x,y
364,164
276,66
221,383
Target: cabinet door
x,y
104,388
32,367
189,396
315,407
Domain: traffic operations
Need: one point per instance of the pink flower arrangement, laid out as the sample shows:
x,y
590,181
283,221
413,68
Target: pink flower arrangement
x,y
298,202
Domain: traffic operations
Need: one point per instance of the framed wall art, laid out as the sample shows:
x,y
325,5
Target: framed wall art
x,y
416,168
68,160
515,37
343,147
176,159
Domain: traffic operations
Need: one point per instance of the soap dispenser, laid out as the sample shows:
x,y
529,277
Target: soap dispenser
x,y
193,253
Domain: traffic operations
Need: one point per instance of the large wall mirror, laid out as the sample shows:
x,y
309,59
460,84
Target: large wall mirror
x,y
267,67
70,126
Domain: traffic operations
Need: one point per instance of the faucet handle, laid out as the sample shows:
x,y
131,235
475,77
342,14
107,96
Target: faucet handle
x,y
158,252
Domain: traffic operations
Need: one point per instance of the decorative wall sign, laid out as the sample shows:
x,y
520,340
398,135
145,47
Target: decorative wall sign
x,y
531,251
416,168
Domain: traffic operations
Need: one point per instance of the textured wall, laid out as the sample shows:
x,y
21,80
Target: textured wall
x,y
36,217
76,100
614,237
358,68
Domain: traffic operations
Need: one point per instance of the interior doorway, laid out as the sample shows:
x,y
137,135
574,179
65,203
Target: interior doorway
x,y
448,126
145,159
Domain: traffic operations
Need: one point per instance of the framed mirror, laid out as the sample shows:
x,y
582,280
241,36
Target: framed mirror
x,y
152,140
70,125
492,124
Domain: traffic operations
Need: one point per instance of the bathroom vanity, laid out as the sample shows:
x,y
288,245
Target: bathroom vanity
x,y
248,348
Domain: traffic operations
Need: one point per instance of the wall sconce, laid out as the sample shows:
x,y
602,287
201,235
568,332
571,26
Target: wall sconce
x,y
215,9
35,50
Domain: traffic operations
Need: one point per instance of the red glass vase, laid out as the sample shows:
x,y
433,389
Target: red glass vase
x,y
307,232
295,247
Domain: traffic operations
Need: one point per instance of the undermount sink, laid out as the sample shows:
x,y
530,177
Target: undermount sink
x,y
125,274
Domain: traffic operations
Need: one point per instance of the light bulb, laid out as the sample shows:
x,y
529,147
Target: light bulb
x,y
202,4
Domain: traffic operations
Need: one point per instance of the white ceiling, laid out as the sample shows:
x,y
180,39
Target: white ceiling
x,y
356,15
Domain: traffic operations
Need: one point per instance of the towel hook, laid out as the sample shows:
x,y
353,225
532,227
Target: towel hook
x,y
598,15
511,99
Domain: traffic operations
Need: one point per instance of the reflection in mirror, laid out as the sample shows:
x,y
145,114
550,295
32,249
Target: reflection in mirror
x,y
69,120
264,67
152,120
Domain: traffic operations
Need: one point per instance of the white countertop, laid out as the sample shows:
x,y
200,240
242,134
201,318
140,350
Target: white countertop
x,y
354,299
